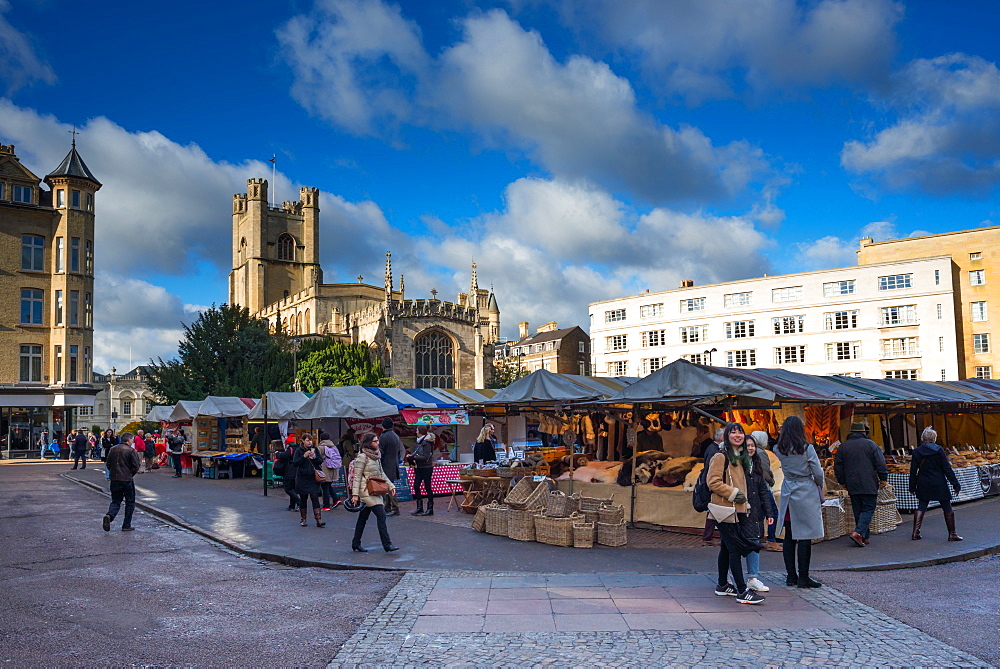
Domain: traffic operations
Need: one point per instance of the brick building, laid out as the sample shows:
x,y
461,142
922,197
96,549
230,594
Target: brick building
x,y
559,350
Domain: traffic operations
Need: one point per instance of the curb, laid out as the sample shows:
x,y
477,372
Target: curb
x,y
232,545
930,562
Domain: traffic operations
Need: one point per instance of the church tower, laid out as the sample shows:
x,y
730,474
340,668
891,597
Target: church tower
x,y
275,249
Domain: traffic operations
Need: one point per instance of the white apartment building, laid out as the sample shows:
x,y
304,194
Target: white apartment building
x,y
884,320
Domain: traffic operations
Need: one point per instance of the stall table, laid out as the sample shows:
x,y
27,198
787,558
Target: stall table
x,y
439,479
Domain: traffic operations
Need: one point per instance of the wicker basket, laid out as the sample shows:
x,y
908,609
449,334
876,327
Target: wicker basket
x,y
496,519
519,494
611,514
511,472
612,534
535,499
521,524
479,522
471,503
583,535
835,522
555,531
591,516
488,472
561,505
594,503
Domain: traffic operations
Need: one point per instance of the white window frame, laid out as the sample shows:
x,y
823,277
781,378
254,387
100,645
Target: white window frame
x,y
981,343
788,355
30,361
834,320
780,324
977,277
618,342
650,365
651,310
743,358
837,288
905,374
984,372
692,304
976,255
614,316
898,314
979,312
23,194
843,350
696,358
787,294
733,329
652,338
895,282
900,347
617,367
731,300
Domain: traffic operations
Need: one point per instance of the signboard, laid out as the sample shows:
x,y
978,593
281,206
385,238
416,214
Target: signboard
x,y
436,416
989,479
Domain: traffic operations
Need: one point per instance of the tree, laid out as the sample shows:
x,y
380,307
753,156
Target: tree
x,y
341,364
224,352
505,372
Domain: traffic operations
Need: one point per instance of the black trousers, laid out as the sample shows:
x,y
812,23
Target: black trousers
x,y
790,547
383,530
293,497
304,501
422,475
730,561
122,490
77,458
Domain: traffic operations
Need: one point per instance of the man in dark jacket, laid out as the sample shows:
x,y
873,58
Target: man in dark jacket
x,y
859,466
79,446
123,463
392,451
175,446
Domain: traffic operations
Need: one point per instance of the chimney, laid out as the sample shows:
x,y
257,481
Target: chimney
x,y
687,283
548,327
523,329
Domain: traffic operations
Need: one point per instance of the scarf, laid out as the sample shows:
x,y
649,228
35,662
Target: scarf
x,y
373,453
739,457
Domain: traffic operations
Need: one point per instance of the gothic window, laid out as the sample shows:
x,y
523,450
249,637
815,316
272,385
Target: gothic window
x,y
435,364
298,323
305,323
286,247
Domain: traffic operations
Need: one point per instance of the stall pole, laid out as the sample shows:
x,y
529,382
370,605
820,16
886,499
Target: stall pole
x,y
982,424
267,443
947,439
635,448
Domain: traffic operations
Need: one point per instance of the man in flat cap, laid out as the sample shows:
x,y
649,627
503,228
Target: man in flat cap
x,y
859,466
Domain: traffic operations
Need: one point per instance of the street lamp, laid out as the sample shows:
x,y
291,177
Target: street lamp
x,y
708,355
111,399
296,386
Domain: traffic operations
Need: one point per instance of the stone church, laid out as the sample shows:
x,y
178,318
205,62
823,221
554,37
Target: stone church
x,y
425,343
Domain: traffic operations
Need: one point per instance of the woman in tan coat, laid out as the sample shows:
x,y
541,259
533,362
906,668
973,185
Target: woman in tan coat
x,y
368,465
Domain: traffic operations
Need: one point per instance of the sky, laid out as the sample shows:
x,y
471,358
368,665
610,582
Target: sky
x,y
576,150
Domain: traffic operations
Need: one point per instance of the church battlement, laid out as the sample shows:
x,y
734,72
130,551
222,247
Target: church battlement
x,y
240,203
420,308
7,149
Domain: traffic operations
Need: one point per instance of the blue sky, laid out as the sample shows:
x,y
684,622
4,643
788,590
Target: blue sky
x,y
576,149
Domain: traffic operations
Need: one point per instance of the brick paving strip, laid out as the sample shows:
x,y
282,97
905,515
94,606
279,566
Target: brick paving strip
x,y
517,620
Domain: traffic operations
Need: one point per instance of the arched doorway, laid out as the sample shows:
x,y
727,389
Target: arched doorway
x,y
434,360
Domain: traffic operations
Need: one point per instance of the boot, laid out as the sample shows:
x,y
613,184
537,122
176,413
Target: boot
x,y
949,520
430,507
318,515
420,508
804,550
788,553
302,516
918,520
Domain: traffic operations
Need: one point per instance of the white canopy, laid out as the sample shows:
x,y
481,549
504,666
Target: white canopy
x,y
184,410
344,402
280,406
159,414
224,407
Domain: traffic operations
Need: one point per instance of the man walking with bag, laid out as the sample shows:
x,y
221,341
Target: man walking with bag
x,y
392,451
859,466
123,463
175,446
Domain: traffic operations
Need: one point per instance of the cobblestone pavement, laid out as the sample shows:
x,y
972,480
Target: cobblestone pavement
x,y
862,635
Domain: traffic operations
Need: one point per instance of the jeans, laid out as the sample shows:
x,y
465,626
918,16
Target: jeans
x,y
77,458
359,528
422,475
729,561
864,509
176,458
753,565
328,494
122,490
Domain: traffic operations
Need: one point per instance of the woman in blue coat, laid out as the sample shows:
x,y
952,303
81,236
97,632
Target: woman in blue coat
x,y
801,511
930,473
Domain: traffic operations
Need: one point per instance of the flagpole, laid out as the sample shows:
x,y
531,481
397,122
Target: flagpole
x,y
274,166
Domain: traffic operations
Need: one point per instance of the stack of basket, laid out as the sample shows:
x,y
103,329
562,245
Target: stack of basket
x,y
524,500
886,516
611,526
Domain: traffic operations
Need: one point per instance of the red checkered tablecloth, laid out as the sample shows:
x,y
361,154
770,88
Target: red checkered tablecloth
x,y
442,474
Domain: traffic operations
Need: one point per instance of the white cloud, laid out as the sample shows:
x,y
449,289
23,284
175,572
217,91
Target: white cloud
x,y
710,48
946,138
20,64
833,251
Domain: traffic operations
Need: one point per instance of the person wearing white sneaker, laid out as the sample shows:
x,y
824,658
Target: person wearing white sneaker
x,y
761,510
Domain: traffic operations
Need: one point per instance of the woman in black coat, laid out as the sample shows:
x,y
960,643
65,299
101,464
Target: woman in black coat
x,y
308,461
283,466
485,449
930,473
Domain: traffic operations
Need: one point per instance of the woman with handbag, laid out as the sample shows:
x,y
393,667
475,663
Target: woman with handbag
x,y
801,510
762,509
728,479
368,484
930,473
308,476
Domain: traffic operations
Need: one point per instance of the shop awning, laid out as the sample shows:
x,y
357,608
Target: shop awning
x,y
545,386
344,402
184,410
683,381
159,414
280,406
225,407
468,395
418,398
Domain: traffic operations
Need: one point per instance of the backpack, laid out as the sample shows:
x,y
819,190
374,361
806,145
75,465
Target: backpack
x,y
279,467
701,495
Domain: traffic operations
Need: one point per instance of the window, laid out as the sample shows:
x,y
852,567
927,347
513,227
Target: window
x,y
650,365
615,343
693,304
977,277
57,373
942,375
435,361
694,333
937,277
59,307
789,354
88,311
737,300
654,338
90,202
895,282
23,194
902,315
583,368
696,358
550,346
31,306
979,311
941,344
74,308
31,364
739,329
907,374
87,366
61,198
746,358
582,346
840,320
60,255
127,407
900,347
786,294
940,312
286,247
984,372
74,254
980,343
617,368
834,288
74,357
88,255
976,255
614,316
538,348
651,310
843,350
76,199
788,324
32,253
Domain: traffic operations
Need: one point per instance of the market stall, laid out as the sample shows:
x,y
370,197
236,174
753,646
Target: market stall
x,y
218,443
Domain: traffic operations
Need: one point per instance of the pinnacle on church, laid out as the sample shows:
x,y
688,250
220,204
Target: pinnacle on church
x,y
493,308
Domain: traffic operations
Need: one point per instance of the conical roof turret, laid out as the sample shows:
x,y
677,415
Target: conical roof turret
x,y
73,166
